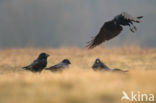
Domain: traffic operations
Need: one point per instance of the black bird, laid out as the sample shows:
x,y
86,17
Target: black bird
x,y
98,65
39,64
60,66
112,28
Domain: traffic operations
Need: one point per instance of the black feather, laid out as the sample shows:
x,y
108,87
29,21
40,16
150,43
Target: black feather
x,y
60,66
39,64
99,65
112,28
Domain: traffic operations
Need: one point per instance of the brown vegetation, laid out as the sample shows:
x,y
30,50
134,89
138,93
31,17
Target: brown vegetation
x,y
78,84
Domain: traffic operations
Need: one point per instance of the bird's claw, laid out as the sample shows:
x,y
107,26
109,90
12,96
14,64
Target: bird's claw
x,y
135,28
132,30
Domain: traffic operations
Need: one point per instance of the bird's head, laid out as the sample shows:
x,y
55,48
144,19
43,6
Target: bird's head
x,y
97,61
97,64
66,61
43,56
116,19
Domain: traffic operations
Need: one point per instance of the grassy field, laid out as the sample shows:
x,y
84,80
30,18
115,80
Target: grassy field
x,y
78,84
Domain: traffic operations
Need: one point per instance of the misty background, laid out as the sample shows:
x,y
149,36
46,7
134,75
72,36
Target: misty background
x,y
55,23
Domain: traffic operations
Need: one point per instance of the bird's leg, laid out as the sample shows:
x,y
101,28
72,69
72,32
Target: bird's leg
x,y
131,28
135,28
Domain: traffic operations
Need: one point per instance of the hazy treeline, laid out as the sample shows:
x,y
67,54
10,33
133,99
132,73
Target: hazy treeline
x,y
54,23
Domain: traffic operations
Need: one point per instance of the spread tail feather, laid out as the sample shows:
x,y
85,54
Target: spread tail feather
x,y
26,68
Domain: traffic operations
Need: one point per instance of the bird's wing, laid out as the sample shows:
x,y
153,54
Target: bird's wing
x,y
108,31
57,66
105,67
34,63
131,18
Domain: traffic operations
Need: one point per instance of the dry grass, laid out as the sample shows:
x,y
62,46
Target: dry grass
x,y
79,84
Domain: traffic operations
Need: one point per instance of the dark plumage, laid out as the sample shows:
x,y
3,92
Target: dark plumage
x,y
98,65
112,28
39,64
60,66
118,70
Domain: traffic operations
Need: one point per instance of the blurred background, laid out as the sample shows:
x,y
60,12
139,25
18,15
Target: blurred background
x,y
55,23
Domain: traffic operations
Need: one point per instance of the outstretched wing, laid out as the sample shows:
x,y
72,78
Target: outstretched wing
x,y
131,18
108,31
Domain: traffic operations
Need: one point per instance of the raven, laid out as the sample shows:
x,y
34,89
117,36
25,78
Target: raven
x,y
60,66
112,28
39,64
100,66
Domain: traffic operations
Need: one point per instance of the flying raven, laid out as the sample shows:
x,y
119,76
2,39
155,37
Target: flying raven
x,y
60,66
112,28
39,64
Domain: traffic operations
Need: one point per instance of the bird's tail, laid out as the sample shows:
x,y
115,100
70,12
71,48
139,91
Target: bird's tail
x,y
138,19
119,70
26,68
125,71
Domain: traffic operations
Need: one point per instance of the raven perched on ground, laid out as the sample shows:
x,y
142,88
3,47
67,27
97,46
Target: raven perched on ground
x,y
100,66
60,66
112,28
39,64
